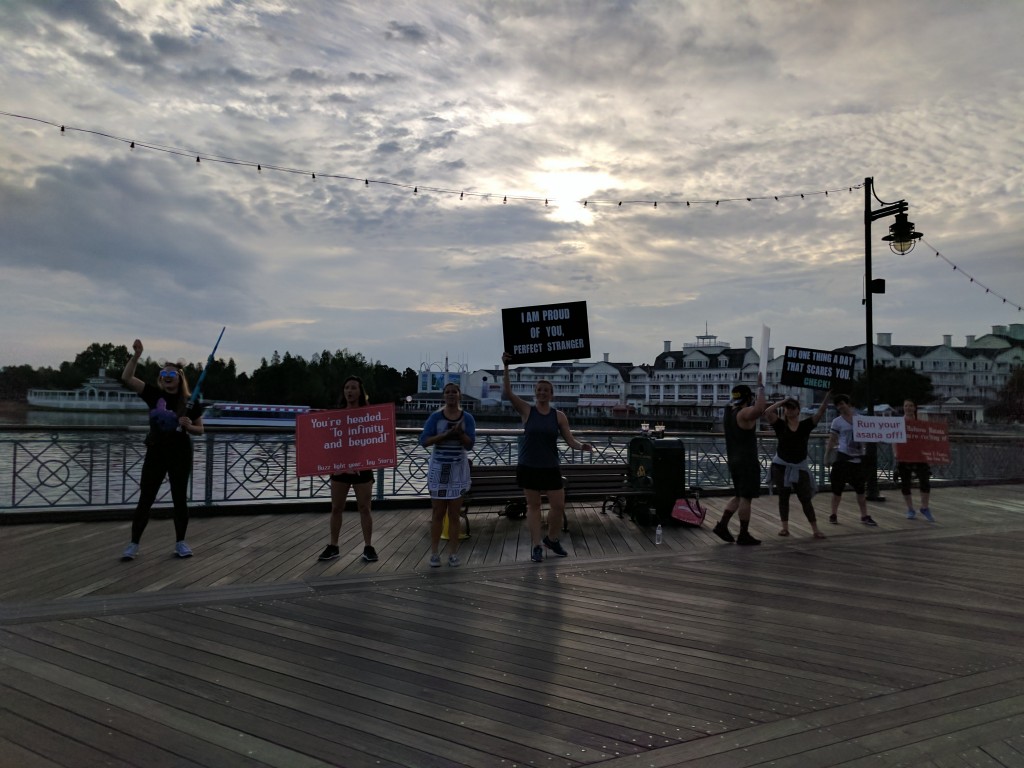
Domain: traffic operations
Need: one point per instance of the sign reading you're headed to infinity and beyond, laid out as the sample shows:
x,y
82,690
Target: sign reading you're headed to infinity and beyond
x,y
348,440
546,332
816,369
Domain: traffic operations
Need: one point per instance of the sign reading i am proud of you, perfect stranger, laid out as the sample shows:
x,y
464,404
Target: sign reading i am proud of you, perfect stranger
x,y
546,332
347,440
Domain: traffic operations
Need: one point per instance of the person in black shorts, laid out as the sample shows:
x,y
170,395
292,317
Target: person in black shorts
x,y
352,396
740,426
537,472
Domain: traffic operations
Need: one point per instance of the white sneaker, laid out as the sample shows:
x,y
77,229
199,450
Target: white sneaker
x,y
130,552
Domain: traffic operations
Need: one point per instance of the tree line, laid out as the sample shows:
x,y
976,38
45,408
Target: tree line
x,y
293,380
283,380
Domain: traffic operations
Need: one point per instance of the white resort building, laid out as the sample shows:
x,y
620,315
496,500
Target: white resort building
x,y
692,383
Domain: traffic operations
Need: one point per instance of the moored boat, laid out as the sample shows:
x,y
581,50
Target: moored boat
x,y
248,415
98,394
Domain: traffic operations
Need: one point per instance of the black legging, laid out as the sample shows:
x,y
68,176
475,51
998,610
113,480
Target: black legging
x,y
803,493
174,462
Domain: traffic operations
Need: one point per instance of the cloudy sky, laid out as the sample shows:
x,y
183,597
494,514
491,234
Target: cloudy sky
x,y
692,100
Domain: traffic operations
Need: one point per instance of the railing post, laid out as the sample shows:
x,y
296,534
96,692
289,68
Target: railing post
x,y
208,490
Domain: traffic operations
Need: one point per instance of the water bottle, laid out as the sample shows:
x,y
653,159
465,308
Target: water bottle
x,y
657,534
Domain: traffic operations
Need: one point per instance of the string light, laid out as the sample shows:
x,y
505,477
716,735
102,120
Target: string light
x,y
65,129
973,280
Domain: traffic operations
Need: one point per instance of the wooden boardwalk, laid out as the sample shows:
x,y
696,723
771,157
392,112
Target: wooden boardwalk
x,y
892,646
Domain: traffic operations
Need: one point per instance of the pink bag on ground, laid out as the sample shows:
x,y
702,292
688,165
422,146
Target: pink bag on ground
x,y
688,512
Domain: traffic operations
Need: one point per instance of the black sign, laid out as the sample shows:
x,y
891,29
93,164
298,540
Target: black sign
x,y
547,332
817,369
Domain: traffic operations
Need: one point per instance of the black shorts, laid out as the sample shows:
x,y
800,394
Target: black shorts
x,y
746,478
354,478
844,472
539,478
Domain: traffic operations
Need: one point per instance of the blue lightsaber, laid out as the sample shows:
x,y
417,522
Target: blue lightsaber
x,y
209,361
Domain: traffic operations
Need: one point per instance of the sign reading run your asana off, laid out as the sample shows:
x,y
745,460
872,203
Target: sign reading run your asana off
x,y
546,332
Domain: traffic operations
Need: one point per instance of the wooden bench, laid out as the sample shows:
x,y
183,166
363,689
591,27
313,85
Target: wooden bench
x,y
496,485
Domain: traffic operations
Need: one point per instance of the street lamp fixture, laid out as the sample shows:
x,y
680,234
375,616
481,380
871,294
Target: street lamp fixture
x,y
902,238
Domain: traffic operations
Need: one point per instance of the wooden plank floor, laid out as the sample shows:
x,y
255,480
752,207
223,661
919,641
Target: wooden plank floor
x,y
892,646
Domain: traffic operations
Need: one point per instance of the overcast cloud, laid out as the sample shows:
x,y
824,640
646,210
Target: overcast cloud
x,y
570,101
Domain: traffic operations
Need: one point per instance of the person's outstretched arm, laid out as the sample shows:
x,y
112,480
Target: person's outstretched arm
x,y
128,376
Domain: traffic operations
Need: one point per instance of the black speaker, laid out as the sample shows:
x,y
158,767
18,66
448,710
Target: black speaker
x,y
669,471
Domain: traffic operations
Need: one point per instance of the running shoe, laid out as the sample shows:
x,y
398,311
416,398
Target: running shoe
x,y
435,560
722,531
369,554
130,552
538,554
330,552
555,546
181,549
453,561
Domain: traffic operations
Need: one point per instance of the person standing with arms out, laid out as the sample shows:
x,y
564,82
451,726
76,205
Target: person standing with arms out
x,y
907,469
848,467
538,473
740,427
451,433
791,470
168,447
353,395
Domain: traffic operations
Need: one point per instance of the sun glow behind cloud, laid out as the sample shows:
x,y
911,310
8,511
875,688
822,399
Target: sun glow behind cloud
x,y
567,188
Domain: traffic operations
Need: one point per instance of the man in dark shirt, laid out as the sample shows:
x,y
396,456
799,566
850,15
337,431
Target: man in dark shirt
x,y
740,426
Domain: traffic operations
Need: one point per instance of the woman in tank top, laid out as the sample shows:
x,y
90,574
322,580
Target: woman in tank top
x,y
538,473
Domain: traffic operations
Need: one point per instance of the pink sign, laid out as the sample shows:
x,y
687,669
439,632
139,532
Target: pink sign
x,y
349,440
927,442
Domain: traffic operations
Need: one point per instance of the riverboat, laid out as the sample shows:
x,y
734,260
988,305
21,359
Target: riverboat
x,y
98,394
249,415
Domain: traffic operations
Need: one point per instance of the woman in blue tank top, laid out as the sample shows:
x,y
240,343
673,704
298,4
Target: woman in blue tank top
x,y
538,473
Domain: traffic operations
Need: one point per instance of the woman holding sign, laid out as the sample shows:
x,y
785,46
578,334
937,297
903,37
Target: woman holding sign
x,y
172,419
907,469
451,432
352,396
538,473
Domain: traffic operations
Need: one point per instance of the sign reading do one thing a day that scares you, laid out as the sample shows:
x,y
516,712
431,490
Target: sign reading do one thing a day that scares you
x,y
546,332
816,369
348,440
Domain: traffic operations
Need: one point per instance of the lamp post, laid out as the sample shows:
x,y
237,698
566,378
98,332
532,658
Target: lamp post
x,y
901,238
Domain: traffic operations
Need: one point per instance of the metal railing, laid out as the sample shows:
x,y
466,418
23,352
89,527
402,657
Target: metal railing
x,y
102,469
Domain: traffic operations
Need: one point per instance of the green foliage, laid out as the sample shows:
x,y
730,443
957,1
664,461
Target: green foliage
x,y
892,386
1009,405
285,380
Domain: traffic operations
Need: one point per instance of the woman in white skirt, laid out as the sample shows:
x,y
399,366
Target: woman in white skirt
x,y
450,432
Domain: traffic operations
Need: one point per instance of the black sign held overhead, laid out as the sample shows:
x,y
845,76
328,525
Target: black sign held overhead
x,y
546,332
817,369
